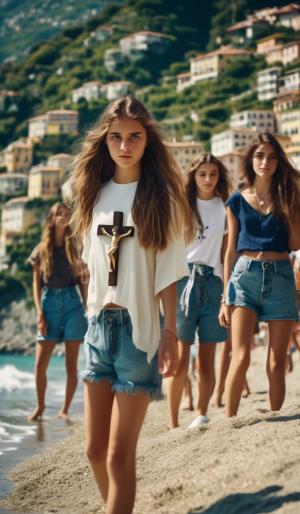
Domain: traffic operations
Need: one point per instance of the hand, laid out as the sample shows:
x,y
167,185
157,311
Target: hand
x,y
168,354
225,315
42,325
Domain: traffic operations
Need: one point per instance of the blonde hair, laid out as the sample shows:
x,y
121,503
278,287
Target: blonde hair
x,y
222,189
47,243
159,207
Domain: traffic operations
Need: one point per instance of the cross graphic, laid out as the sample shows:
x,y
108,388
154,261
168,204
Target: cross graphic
x,y
116,232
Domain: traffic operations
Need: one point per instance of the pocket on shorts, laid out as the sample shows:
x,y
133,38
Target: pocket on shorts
x,y
240,268
286,273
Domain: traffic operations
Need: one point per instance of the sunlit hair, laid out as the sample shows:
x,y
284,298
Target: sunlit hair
x,y
159,207
285,187
222,189
47,244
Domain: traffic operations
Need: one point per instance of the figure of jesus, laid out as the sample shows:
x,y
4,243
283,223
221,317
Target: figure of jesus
x,y
115,239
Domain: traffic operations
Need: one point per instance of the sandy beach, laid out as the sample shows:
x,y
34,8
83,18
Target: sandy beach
x,y
245,465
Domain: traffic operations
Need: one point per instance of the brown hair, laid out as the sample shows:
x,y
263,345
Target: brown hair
x,y
285,187
47,244
159,207
223,187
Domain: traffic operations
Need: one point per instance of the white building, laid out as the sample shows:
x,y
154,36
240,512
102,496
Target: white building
x,y
89,90
268,81
56,122
290,82
37,127
114,90
140,42
231,139
113,58
13,183
184,152
234,162
15,220
261,120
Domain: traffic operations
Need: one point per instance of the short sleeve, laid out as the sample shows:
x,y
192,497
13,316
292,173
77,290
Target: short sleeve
x,y
171,265
86,246
234,203
34,258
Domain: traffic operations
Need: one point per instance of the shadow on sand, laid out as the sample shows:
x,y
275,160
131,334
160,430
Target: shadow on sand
x,y
265,500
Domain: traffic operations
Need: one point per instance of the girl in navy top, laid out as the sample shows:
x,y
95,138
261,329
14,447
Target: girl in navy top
x,y
262,228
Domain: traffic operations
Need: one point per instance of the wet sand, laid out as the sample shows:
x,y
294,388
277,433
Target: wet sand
x,y
245,465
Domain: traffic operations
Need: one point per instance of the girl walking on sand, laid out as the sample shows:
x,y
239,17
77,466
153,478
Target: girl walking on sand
x,y
263,222
198,296
125,167
57,271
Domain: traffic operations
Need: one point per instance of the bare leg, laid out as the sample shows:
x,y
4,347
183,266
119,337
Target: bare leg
x,y
225,356
242,329
206,369
72,350
127,418
188,393
98,400
278,341
175,384
42,357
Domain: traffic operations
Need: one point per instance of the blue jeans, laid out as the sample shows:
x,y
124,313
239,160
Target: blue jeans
x,y
265,287
199,309
111,355
64,314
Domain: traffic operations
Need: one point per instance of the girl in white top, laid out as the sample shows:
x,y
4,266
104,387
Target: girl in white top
x,y
198,297
125,167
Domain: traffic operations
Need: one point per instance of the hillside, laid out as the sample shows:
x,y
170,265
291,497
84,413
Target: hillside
x,y
38,20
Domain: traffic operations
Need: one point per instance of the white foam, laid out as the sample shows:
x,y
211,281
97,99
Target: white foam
x,y
12,378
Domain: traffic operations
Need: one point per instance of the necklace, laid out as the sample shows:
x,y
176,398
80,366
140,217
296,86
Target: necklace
x,y
261,201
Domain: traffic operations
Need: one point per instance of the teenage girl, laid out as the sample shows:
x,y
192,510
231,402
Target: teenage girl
x,y
124,166
263,223
198,297
60,313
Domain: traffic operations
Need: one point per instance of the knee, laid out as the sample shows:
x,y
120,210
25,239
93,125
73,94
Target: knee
x,y
72,372
96,453
276,365
118,459
241,360
183,365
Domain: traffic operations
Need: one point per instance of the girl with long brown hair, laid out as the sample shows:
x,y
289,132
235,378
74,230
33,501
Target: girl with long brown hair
x,y
124,171
198,297
60,314
263,222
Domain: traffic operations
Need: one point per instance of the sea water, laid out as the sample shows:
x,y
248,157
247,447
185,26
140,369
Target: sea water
x,y
19,438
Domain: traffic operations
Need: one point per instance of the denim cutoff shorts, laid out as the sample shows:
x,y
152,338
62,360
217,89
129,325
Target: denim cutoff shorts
x,y
203,307
64,314
111,355
265,287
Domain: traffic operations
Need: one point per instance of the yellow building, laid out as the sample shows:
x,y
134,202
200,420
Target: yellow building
x,y
59,121
211,65
287,116
18,156
184,152
15,220
268,43
44,182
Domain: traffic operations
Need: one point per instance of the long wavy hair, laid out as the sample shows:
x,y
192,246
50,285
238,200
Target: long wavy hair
x,y
285,186
222,189
47,244
159,208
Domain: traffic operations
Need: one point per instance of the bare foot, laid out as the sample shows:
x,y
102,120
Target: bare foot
x,y
217,402
37,414
245,393
63,415
189,406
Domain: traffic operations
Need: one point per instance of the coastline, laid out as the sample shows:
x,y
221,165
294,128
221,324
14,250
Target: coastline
x,y
246,464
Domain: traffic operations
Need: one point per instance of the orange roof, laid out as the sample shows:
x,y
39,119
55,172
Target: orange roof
x,y
224,50
247,23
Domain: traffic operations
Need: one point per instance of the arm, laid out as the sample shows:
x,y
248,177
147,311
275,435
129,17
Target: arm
x,y
83,284
294,235
37,289
224,248
167,351
230,256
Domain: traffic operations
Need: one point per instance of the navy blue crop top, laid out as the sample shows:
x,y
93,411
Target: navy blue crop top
x,y
257,232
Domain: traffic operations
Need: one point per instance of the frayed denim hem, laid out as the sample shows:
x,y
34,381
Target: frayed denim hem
x,y
154,392
91,376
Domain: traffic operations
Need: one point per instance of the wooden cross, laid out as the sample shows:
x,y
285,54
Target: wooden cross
x,y
116,232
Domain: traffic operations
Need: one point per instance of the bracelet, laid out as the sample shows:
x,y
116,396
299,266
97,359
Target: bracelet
x,y
170,331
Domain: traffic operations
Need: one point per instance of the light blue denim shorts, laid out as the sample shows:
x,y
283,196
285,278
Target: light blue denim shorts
x,y
64,314
203,307
265,287
111,355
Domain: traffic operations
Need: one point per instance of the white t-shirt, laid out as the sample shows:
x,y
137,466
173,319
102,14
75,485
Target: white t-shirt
x,y
206,249
142,274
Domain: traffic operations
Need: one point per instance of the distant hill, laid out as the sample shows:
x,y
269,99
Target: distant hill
x,y
28,22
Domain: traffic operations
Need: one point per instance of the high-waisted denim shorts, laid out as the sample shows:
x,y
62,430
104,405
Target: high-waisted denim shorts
x,y
265,287
111,355
64,314
201,308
